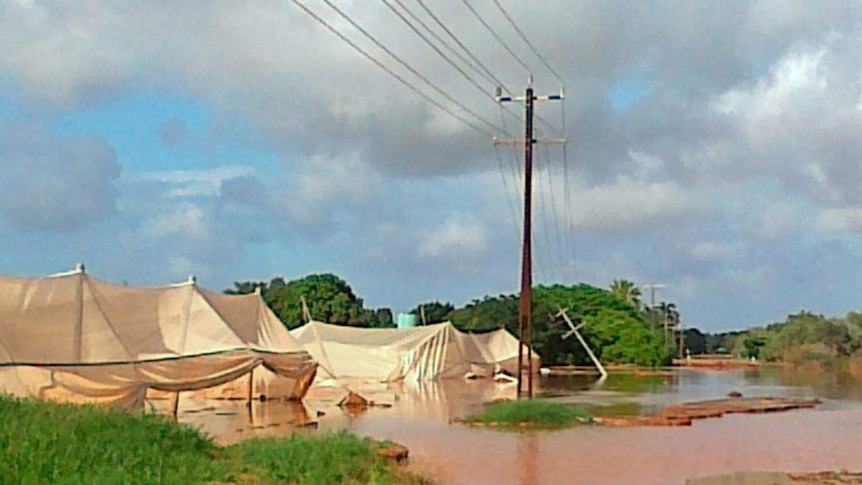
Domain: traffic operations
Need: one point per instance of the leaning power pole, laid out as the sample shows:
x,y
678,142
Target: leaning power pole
x,y
652,288
525,314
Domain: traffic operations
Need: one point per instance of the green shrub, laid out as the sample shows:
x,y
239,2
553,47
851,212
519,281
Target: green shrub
x,y
535,413
42,442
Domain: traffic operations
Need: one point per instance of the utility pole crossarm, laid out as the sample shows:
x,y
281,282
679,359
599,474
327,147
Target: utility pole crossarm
x,y
508,99
543,141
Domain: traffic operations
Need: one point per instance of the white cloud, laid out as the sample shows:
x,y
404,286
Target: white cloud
x,y
325,182
186,221
646,165
460,237
709,129
55,183
781,220
626,204
190,183
711,250
847,219
796,75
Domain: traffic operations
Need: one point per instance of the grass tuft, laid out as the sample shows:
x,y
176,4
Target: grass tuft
x,y
42,442
340,458
531,413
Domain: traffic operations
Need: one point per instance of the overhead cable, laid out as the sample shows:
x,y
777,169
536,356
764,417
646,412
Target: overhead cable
x,y
445,44
398,77
462,46
408,66
436,49
495,35
527,41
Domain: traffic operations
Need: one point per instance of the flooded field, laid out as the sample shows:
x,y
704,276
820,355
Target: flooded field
x,y
807,440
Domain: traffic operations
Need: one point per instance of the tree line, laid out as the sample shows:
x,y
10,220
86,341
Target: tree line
x,y
616,325
801,337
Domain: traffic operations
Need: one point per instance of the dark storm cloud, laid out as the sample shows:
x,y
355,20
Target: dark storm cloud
x,y
55,183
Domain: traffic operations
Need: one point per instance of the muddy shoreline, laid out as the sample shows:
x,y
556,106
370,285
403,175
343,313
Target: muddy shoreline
x,y
779,478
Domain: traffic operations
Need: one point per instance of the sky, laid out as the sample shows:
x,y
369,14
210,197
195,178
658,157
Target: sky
x,y
713,147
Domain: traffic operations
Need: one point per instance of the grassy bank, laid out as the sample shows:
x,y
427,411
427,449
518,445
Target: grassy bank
x,y
529,413
63,444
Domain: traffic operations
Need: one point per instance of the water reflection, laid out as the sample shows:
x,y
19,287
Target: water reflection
x,y
528,457
229,421
420,416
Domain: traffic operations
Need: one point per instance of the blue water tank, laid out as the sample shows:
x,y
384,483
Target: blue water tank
x,y
406,320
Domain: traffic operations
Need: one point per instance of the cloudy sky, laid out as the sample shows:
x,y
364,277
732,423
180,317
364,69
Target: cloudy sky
x,y
713,148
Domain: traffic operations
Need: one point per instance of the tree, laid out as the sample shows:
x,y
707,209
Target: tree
x,y
435,311
695,341
380,318
752,346
245,287
627,290
329,298
583,302
620,339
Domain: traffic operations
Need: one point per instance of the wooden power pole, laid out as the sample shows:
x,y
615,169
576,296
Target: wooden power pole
x,y
525,313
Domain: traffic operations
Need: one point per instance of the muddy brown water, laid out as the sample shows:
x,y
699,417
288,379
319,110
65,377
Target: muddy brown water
x,y
829,437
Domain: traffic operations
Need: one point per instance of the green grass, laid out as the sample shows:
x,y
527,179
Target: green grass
x,y
339,458
618,409
43,443
530,413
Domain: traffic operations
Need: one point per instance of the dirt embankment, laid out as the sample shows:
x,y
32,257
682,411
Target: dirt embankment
x,y
776,478
716,363
685,414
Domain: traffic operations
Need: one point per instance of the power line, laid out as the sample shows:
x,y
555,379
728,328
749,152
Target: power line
x,y
445,44
432,45
408,66
514,164
527,41
462,46
390,71
570,229
478,62
544,256
517,181
514,212
496,36
558,236
436,49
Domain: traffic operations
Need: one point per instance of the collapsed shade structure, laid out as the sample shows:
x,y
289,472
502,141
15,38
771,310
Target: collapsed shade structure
x,y
411,354
71,337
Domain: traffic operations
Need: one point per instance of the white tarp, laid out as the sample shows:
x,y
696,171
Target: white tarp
x,y
413,354
75,338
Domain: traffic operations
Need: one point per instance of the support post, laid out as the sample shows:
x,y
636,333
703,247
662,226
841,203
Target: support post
x,y
652,289
525,317
78,342
249,404
250,391
525,314
175,405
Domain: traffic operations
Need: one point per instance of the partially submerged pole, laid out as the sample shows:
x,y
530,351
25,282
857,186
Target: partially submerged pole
x,y
574,331
175,404
250,386
525,320
525,316
249,394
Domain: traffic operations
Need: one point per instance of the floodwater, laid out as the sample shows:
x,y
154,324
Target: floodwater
x,y
826,438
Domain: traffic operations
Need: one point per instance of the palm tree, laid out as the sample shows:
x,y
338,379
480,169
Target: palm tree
x,y
628,291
